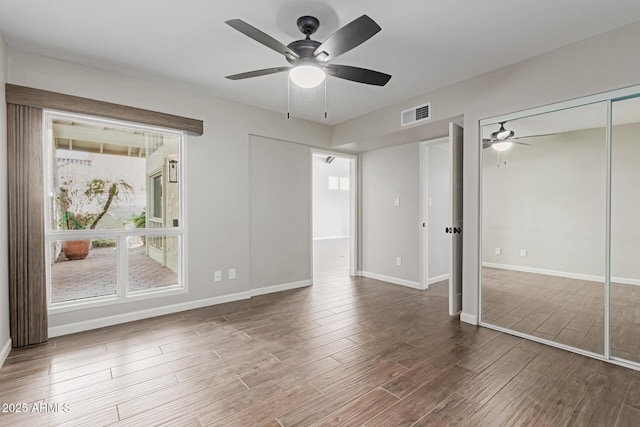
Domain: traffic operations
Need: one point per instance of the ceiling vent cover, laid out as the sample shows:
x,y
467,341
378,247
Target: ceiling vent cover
x,y
416,114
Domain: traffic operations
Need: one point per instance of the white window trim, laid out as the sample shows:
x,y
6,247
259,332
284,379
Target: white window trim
x,y
123,295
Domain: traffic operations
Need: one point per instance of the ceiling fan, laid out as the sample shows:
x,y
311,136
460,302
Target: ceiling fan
x,y
503,139
310,58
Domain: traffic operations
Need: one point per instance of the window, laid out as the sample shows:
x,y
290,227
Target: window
x,y
338,183
113,231
156,196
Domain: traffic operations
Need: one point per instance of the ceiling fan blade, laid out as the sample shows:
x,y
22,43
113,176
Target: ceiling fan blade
x,y
260,37
258,73
356,74
346,38
520,143
486,143
535,136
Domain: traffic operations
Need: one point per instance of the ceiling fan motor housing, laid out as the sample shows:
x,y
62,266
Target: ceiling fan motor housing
x,y
305,49
308,25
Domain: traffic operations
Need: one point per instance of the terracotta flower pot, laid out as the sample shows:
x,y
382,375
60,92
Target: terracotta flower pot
x,y
76,249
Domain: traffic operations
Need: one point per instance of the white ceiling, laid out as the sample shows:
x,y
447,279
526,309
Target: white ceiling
x,y
424,44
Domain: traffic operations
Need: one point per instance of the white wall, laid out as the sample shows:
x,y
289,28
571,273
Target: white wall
x,y
4,262
280,210
438,210
390,231
216,167
599,64
330,206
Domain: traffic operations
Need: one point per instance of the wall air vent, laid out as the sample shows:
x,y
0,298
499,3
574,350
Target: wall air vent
x,y
416,114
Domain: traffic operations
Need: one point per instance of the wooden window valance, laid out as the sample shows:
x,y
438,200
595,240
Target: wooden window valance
x,y
21,95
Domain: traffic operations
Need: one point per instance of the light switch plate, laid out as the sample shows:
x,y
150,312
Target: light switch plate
x,y
217,276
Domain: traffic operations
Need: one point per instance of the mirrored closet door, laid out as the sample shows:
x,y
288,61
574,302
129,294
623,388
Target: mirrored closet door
x,y
543,226
625,230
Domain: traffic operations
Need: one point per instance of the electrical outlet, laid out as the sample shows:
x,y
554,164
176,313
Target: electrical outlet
x,y
232,273
217,276
523,252
498,251
396,201
399,261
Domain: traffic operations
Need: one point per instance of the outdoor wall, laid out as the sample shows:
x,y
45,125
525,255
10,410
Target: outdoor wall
x,y
5,345
390,231
438,210
330,205
606,62
216,168
158,160
280,212
109,168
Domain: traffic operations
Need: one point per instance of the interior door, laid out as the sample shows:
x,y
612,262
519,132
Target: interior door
x,y
455,230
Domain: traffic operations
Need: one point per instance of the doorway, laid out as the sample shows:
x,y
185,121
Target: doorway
x,y
333,212
434,163
441,215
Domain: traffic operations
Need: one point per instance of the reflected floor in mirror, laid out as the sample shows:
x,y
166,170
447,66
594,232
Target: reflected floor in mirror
x,y
345,351
564,310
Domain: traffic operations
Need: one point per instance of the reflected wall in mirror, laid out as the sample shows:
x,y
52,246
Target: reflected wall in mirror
x,y
543,226
625,229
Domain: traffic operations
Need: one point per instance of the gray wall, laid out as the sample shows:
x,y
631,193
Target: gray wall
x,y
280,211
550,200
389,231
577,70
216,166
439,213
330,207
4,262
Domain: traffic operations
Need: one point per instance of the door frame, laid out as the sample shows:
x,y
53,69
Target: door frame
x,y
354,186
423,247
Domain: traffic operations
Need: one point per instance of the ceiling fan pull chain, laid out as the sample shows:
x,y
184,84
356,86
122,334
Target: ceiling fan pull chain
x,y
498,159
288,98
325,98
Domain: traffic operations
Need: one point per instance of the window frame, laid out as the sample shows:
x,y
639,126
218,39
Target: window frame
x,y
123,295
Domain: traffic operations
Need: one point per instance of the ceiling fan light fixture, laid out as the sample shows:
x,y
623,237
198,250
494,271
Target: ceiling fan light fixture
x,y
502,145
502,133
306,76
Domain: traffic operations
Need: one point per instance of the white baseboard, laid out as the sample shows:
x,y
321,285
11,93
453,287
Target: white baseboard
x,y
394,280
4,352
72,328
331,238
437,279
568,275
468,318
279,288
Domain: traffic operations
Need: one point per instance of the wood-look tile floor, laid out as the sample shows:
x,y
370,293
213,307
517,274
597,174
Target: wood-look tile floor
x,y
568,311
343,352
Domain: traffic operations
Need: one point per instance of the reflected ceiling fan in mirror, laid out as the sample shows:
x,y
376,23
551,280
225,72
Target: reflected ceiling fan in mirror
x,y
310,59
503,139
